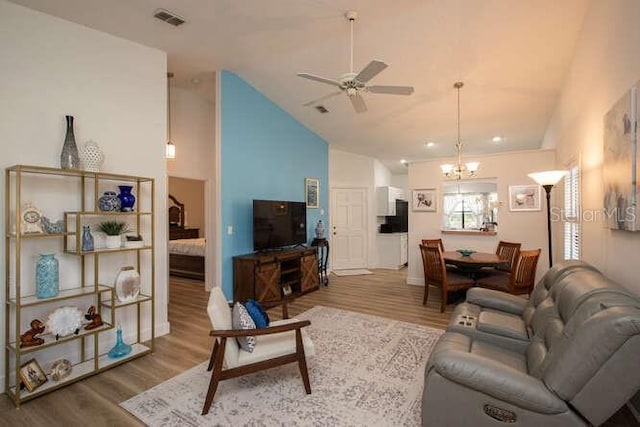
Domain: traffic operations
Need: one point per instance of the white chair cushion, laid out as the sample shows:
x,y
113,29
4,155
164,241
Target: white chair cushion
x,y
220,316
276,345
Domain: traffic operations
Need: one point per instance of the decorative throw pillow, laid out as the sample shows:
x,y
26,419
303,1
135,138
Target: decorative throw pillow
x,y
240,319
257,313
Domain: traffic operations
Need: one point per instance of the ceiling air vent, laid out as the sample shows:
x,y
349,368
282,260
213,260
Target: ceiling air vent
x,y
321,109
169,17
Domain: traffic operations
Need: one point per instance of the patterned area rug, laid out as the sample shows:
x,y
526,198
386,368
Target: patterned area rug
x,y
367,370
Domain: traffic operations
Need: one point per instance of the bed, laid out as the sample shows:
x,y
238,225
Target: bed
x,y
186,249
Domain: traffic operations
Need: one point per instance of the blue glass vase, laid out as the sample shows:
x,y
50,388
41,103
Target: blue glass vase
x,y
47,276
87,239
126,198
121,348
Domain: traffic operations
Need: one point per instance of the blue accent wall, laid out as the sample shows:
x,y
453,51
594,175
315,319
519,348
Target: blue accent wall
x,y
266,154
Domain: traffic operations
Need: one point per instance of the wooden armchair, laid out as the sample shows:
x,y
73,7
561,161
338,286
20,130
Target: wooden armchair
x,y
436,274
520,281
281,343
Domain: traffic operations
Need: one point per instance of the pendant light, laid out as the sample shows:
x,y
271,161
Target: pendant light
x,y
170,148
459,170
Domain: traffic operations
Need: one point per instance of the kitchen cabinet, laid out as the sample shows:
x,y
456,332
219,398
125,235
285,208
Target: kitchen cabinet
x,y
386,200
393,250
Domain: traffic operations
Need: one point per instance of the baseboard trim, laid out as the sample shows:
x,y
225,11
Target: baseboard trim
x,y
416,281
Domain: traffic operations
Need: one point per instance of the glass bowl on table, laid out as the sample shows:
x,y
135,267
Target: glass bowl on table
x,y
465,252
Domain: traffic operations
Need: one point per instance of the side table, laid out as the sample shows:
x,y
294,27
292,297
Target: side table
x,y
322,246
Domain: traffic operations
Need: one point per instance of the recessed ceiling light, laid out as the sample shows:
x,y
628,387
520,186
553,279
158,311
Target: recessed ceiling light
x,y
430,144
497,139
403,161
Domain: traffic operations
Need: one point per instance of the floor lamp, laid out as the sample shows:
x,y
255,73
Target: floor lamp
x,y
547,180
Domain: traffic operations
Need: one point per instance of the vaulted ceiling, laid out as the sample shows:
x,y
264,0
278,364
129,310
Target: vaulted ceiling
x,y
511,55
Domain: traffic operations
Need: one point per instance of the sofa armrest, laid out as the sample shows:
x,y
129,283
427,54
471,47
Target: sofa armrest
x,y
497,300
499,381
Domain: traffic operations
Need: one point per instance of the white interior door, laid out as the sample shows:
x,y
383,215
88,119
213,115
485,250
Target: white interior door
x,y
348,228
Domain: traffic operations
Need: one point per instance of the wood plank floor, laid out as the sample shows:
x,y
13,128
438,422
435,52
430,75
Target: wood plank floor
x,y
94,401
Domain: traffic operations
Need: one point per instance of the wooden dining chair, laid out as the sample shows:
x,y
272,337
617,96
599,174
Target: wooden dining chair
x,y
522,279
433,242
436,274
510,251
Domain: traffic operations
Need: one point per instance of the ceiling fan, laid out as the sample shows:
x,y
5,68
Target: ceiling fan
x,y
354,83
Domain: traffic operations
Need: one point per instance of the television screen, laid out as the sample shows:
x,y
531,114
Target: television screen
x,y
278,223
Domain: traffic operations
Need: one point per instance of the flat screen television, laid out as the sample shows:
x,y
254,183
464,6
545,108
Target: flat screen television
x,y
278,223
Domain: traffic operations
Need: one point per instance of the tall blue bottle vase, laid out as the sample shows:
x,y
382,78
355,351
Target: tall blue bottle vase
x,y
121,348
126,198
47,276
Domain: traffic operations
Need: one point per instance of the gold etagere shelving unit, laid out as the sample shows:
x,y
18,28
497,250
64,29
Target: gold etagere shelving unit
x,y
89,360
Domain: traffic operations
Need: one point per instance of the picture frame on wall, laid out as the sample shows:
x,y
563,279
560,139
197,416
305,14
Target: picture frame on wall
x,y
312,192
525,198
32,375
424,200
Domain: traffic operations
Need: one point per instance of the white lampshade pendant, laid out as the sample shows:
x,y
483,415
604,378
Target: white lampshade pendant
x,y
170,148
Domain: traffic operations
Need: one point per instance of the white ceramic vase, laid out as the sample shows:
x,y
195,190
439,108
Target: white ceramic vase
x,y
113,242
91,156
127,284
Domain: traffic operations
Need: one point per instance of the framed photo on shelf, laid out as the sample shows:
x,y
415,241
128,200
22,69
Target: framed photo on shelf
x,y
524,198
32,375
312,192
424,200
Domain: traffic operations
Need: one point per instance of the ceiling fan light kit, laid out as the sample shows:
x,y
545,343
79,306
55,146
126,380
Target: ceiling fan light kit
x,y
459,170
353,83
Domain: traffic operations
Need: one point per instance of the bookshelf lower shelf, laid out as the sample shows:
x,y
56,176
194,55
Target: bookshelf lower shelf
x,y
81,371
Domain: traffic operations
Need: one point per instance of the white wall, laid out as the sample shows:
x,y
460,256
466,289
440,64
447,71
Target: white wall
x,y
605,66
348,170
116,90
193,131
529,228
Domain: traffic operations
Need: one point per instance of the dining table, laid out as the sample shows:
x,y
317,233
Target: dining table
x,y
471,264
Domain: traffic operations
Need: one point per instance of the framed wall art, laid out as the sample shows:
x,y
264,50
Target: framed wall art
x,y
312,192
424,200
32,375
620,163
524,198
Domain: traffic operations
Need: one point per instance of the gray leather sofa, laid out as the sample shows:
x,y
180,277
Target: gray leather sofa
x,y
569,356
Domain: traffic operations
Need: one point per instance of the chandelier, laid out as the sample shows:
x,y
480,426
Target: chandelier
x,y
459,170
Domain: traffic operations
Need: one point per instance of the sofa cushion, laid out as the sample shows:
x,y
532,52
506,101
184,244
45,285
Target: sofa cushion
x,y
505,324
275,345
242,320
220,317
257,313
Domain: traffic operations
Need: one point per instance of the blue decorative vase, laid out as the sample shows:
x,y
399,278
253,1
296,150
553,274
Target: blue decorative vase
x,y
47,276
87,239
69,157
109,202
121,348
126,198
320,230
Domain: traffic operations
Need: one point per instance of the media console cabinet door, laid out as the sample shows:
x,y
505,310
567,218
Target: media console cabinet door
x,y
309,266
267,285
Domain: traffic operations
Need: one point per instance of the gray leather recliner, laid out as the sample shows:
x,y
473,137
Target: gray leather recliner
x,y
578,364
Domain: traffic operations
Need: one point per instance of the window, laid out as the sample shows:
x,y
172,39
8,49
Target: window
x,y
571,217
469,205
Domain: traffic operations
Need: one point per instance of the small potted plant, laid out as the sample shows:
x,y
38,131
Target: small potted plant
x,y
113,230
133,241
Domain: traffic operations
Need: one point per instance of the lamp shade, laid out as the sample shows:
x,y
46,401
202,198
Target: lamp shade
x,y
170,150
446,169
548,177
473,166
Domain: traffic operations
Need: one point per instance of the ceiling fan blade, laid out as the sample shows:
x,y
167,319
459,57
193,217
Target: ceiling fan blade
x,y
316,101
319,79
391,90
370,71
358,103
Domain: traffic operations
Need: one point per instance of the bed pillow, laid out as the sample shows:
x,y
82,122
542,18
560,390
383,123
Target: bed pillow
x,y
240,319
257,313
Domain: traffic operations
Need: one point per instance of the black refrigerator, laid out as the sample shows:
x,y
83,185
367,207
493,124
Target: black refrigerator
x,y
399,223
